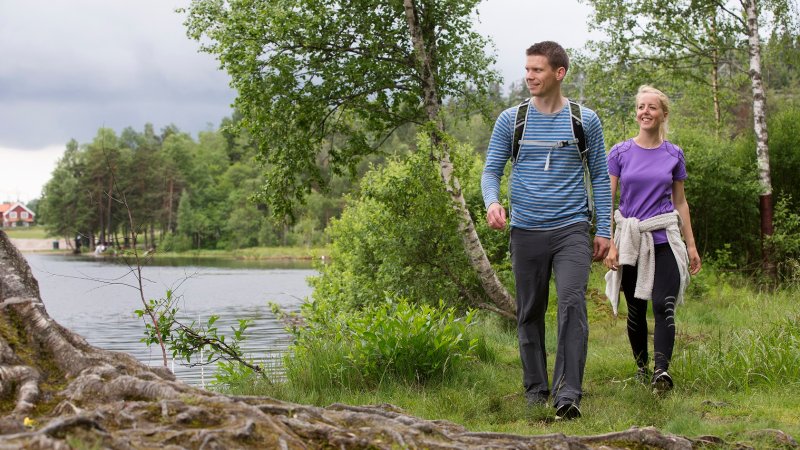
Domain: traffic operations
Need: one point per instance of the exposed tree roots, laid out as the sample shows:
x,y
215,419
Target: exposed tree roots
x,y
81,396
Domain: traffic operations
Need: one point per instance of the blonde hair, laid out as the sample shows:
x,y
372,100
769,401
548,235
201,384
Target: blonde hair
x,y
663,100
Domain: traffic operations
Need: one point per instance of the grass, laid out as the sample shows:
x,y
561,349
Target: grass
x,y
34,232
736,366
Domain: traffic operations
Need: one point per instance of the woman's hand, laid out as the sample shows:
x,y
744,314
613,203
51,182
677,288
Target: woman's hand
x,y
612,258
694,260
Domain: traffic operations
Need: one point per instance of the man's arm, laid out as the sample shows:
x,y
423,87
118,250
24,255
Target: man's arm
x,y
601,187
496,157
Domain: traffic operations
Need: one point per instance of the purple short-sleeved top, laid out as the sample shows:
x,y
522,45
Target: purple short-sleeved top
x,y
645,179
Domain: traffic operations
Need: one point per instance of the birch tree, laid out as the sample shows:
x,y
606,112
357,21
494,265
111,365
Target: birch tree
x,y
332,80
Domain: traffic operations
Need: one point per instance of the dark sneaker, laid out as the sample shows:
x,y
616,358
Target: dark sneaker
x,y
643,375
568,411
662,382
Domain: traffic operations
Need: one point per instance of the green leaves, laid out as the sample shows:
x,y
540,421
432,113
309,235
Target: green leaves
x,y
400,236
187,341
412,343
309,71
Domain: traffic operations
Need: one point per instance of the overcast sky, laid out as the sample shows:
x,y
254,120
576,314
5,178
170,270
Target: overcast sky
x,y
71,67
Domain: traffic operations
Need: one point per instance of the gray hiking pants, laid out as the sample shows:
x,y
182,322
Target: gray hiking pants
x,y
535,255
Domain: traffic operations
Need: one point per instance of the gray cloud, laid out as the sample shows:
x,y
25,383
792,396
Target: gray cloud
x,y
71,67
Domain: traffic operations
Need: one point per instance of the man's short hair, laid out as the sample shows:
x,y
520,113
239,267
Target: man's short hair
x,y
555,53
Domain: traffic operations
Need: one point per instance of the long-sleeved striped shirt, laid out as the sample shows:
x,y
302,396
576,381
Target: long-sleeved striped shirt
x,y
547,187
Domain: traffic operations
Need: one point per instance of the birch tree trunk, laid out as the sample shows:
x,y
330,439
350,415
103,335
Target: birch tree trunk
x,y
760,127
715,71
504,303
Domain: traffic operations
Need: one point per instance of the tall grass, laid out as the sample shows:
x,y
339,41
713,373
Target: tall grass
x,y
767,355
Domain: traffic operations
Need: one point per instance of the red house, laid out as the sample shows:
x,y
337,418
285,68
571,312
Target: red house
x,y
15,215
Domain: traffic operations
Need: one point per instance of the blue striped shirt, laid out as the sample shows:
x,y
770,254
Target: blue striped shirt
x,y
547,188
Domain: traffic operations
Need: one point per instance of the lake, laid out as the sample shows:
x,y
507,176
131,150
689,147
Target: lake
x,y
96,298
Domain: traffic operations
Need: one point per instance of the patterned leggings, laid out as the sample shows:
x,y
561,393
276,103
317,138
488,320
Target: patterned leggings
x,y
665,289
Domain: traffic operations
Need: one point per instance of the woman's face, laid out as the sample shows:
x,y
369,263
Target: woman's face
x,y
649,113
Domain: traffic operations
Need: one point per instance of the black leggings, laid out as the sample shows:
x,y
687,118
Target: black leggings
x,y
666,285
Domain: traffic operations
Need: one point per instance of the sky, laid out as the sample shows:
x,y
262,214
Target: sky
x,y
70,68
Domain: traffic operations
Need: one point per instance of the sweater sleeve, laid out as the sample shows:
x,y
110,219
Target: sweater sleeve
x,y
497,155
601,185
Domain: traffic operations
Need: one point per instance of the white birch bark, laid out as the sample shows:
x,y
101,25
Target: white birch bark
x,y
760,126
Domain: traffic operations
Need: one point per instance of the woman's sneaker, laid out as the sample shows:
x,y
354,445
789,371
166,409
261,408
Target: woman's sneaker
x,y
662,382
643,375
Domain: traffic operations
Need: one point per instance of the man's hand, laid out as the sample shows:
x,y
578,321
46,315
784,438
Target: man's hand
x,y
496,216
601,246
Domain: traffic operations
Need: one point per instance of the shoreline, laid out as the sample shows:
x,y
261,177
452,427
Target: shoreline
x,y
25,245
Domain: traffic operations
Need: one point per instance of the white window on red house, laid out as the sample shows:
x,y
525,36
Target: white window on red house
x,y
24,214
12,215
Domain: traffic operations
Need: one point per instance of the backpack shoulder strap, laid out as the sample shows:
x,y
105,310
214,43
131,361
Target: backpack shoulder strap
x,y
520,123
576,118
577,129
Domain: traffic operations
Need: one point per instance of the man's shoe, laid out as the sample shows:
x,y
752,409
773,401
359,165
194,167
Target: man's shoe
x,y
535,399
568,411
662,382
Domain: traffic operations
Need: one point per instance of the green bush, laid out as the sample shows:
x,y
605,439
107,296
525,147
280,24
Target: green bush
x,y
400,340
722,193
785,241
173,242
784,154
400,236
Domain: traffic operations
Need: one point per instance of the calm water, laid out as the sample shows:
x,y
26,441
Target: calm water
x,y
94,297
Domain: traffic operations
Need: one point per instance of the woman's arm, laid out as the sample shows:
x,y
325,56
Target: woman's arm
x,y
679,200
612,259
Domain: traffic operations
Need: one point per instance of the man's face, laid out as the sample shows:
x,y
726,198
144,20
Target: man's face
x,y
540,77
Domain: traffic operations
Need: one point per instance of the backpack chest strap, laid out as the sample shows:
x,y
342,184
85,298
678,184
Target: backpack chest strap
x,y
549,144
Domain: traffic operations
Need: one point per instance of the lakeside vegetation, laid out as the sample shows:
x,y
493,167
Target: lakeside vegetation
x,y
736,367
253,253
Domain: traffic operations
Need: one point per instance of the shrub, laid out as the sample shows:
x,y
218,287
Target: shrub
x,y
401,236
785,241
784,154
722,193
396,340
173,242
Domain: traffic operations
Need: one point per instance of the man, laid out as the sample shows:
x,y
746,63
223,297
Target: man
x,y
550,223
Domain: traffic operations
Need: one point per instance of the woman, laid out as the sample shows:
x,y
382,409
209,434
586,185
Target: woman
x,y
647,257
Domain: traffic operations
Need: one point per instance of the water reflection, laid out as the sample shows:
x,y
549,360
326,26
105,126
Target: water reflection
x,y
97,297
